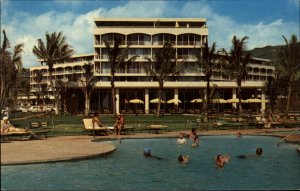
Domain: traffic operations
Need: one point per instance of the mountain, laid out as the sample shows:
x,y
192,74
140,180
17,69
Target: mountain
x,y
268,52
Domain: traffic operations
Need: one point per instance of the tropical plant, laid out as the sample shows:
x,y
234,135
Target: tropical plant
x,y
54,49
272,88
117,58
238,60
164,65
288,63
10,64
26,90
88,84
207,59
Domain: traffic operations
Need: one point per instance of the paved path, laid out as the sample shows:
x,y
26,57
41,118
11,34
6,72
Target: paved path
x,y
79,147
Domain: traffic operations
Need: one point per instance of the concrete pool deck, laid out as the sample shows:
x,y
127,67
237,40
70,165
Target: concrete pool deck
x,y
66,148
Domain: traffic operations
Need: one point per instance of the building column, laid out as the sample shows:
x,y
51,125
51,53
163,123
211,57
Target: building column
x,y
147,101
176,95
234,97
263,98
117,101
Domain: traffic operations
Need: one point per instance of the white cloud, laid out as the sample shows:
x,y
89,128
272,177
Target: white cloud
x,y
295,3
26,28
223,28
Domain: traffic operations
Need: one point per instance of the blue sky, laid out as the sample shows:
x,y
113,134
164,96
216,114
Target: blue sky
x,y
263,21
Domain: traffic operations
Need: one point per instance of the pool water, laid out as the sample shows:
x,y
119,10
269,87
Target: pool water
x,y
127,169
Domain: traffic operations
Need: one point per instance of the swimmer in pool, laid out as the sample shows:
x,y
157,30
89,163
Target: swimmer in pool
x,y
181,139
221,160
147,154
259,152
184,159
196,142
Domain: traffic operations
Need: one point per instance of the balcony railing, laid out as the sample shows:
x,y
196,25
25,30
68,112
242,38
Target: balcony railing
x,y
188,43
185,57
111,42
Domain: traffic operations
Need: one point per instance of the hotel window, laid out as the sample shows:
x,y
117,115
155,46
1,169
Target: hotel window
x,y
110,38
105,69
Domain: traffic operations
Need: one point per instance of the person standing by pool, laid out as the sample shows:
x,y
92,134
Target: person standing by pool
x,y
119,124
193,134
181,139
96,120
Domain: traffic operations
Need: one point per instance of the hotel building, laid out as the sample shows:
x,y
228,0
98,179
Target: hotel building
x,y
145,36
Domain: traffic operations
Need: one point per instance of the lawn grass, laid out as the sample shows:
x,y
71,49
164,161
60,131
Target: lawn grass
x,y
73,125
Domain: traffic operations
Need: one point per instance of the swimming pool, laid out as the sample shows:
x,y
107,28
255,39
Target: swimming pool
x,y
127,169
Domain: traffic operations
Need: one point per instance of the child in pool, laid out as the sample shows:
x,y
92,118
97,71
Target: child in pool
x,y
181,139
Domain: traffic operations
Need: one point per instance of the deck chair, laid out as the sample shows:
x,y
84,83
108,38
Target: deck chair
x,y
46,125
9,135
35,127
88,127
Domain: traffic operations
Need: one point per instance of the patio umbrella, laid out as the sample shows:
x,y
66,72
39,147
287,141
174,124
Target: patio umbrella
x,y
175,101
235,100
255,100
219,101
156,101
198,100
232,100
137,101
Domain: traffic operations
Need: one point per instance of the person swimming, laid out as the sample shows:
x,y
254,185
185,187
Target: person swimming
x,y
181,139
184,159
147,154
196,142
221,160
258,152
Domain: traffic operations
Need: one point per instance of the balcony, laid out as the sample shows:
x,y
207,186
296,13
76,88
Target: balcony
x,y
186,57
192,43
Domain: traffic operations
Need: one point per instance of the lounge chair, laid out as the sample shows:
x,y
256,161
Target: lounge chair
x,y
7,136
156,128
35,127
127,130
46,125
89,127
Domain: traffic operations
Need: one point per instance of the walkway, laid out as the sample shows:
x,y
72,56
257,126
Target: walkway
x,y
80,147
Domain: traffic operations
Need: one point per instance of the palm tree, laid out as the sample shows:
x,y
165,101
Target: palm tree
x,y
117,59
206,59
54,49
288,62
273,87
88,85
238,60
26,90
10,64
164,65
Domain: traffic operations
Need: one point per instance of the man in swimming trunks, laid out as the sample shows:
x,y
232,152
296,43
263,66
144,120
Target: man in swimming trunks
x,y
119,124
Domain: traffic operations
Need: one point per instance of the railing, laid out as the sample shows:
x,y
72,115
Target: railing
x,y
287,136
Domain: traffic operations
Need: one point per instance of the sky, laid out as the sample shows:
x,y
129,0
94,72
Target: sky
x,y
263,21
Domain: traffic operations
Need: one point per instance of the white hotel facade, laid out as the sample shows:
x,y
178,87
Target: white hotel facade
x,y
145,36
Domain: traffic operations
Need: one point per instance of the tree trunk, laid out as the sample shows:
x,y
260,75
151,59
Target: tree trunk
x,y
207,98
159,99
239,94
288,98
56,102
113,96
87,103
